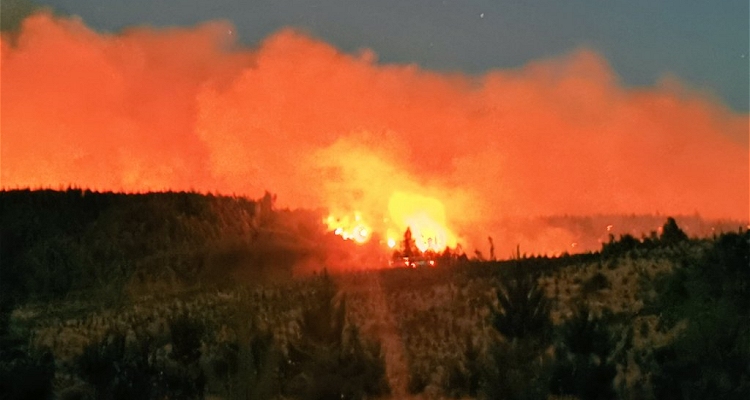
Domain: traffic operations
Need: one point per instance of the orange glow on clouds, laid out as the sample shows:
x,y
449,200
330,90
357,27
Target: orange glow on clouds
x,y
191,109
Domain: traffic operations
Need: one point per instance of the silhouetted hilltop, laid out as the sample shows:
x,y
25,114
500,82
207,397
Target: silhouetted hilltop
x,y
58,242
107,293
54,243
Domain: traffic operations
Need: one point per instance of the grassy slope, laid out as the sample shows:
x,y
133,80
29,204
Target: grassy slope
x,y
433,314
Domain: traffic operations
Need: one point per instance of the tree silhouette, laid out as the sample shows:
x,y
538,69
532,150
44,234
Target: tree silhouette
x,y
331,360
408,244
186,335
583,367
116,369
518,368
524,309
671,233
710,357
25,372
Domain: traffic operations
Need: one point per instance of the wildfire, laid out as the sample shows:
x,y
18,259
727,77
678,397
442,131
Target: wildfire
x,y
424,216
350,228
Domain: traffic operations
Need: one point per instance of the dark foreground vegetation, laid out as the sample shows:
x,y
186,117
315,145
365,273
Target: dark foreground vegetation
x,y
180,295
57,244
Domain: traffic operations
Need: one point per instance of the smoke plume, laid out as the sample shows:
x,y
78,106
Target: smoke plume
x,y
192,109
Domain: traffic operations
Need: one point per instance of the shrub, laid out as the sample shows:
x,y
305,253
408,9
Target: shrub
x,y
524,309
583,365
249,367
331,360
418,381
188,379
117,368
464,378
25,374
519,368
597,282
644,330
516,370
186,334
710,357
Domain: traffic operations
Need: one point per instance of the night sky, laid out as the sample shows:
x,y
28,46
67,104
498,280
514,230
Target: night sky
x,y
702,43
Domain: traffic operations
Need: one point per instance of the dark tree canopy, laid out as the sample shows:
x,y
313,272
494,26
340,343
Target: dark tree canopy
x,y
671,233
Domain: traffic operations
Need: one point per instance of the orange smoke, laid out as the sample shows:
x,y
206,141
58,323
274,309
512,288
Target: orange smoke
x,y
191,109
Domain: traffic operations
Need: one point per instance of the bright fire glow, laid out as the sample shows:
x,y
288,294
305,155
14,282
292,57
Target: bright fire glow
x,y
349,228
425,216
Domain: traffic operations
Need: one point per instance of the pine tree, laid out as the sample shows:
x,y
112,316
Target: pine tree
x,y
331,360
518,368
583,366
524,309
671,233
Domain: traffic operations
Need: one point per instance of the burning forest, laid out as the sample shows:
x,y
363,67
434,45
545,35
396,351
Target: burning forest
x,y
197,206
381,146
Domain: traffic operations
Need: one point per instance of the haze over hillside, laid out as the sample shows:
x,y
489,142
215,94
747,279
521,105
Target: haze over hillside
x,y
190,108
56,242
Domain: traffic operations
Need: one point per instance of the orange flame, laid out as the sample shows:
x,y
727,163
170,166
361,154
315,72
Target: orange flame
x,y
424,215
350,228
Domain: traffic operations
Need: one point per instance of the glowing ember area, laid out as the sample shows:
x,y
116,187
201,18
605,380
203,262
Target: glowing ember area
x,y
350,228
425,216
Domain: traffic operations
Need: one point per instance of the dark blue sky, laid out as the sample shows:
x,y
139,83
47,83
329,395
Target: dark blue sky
x,y
704,43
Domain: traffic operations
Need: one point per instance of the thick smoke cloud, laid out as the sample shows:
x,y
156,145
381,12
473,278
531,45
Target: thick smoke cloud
x,y
191,109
